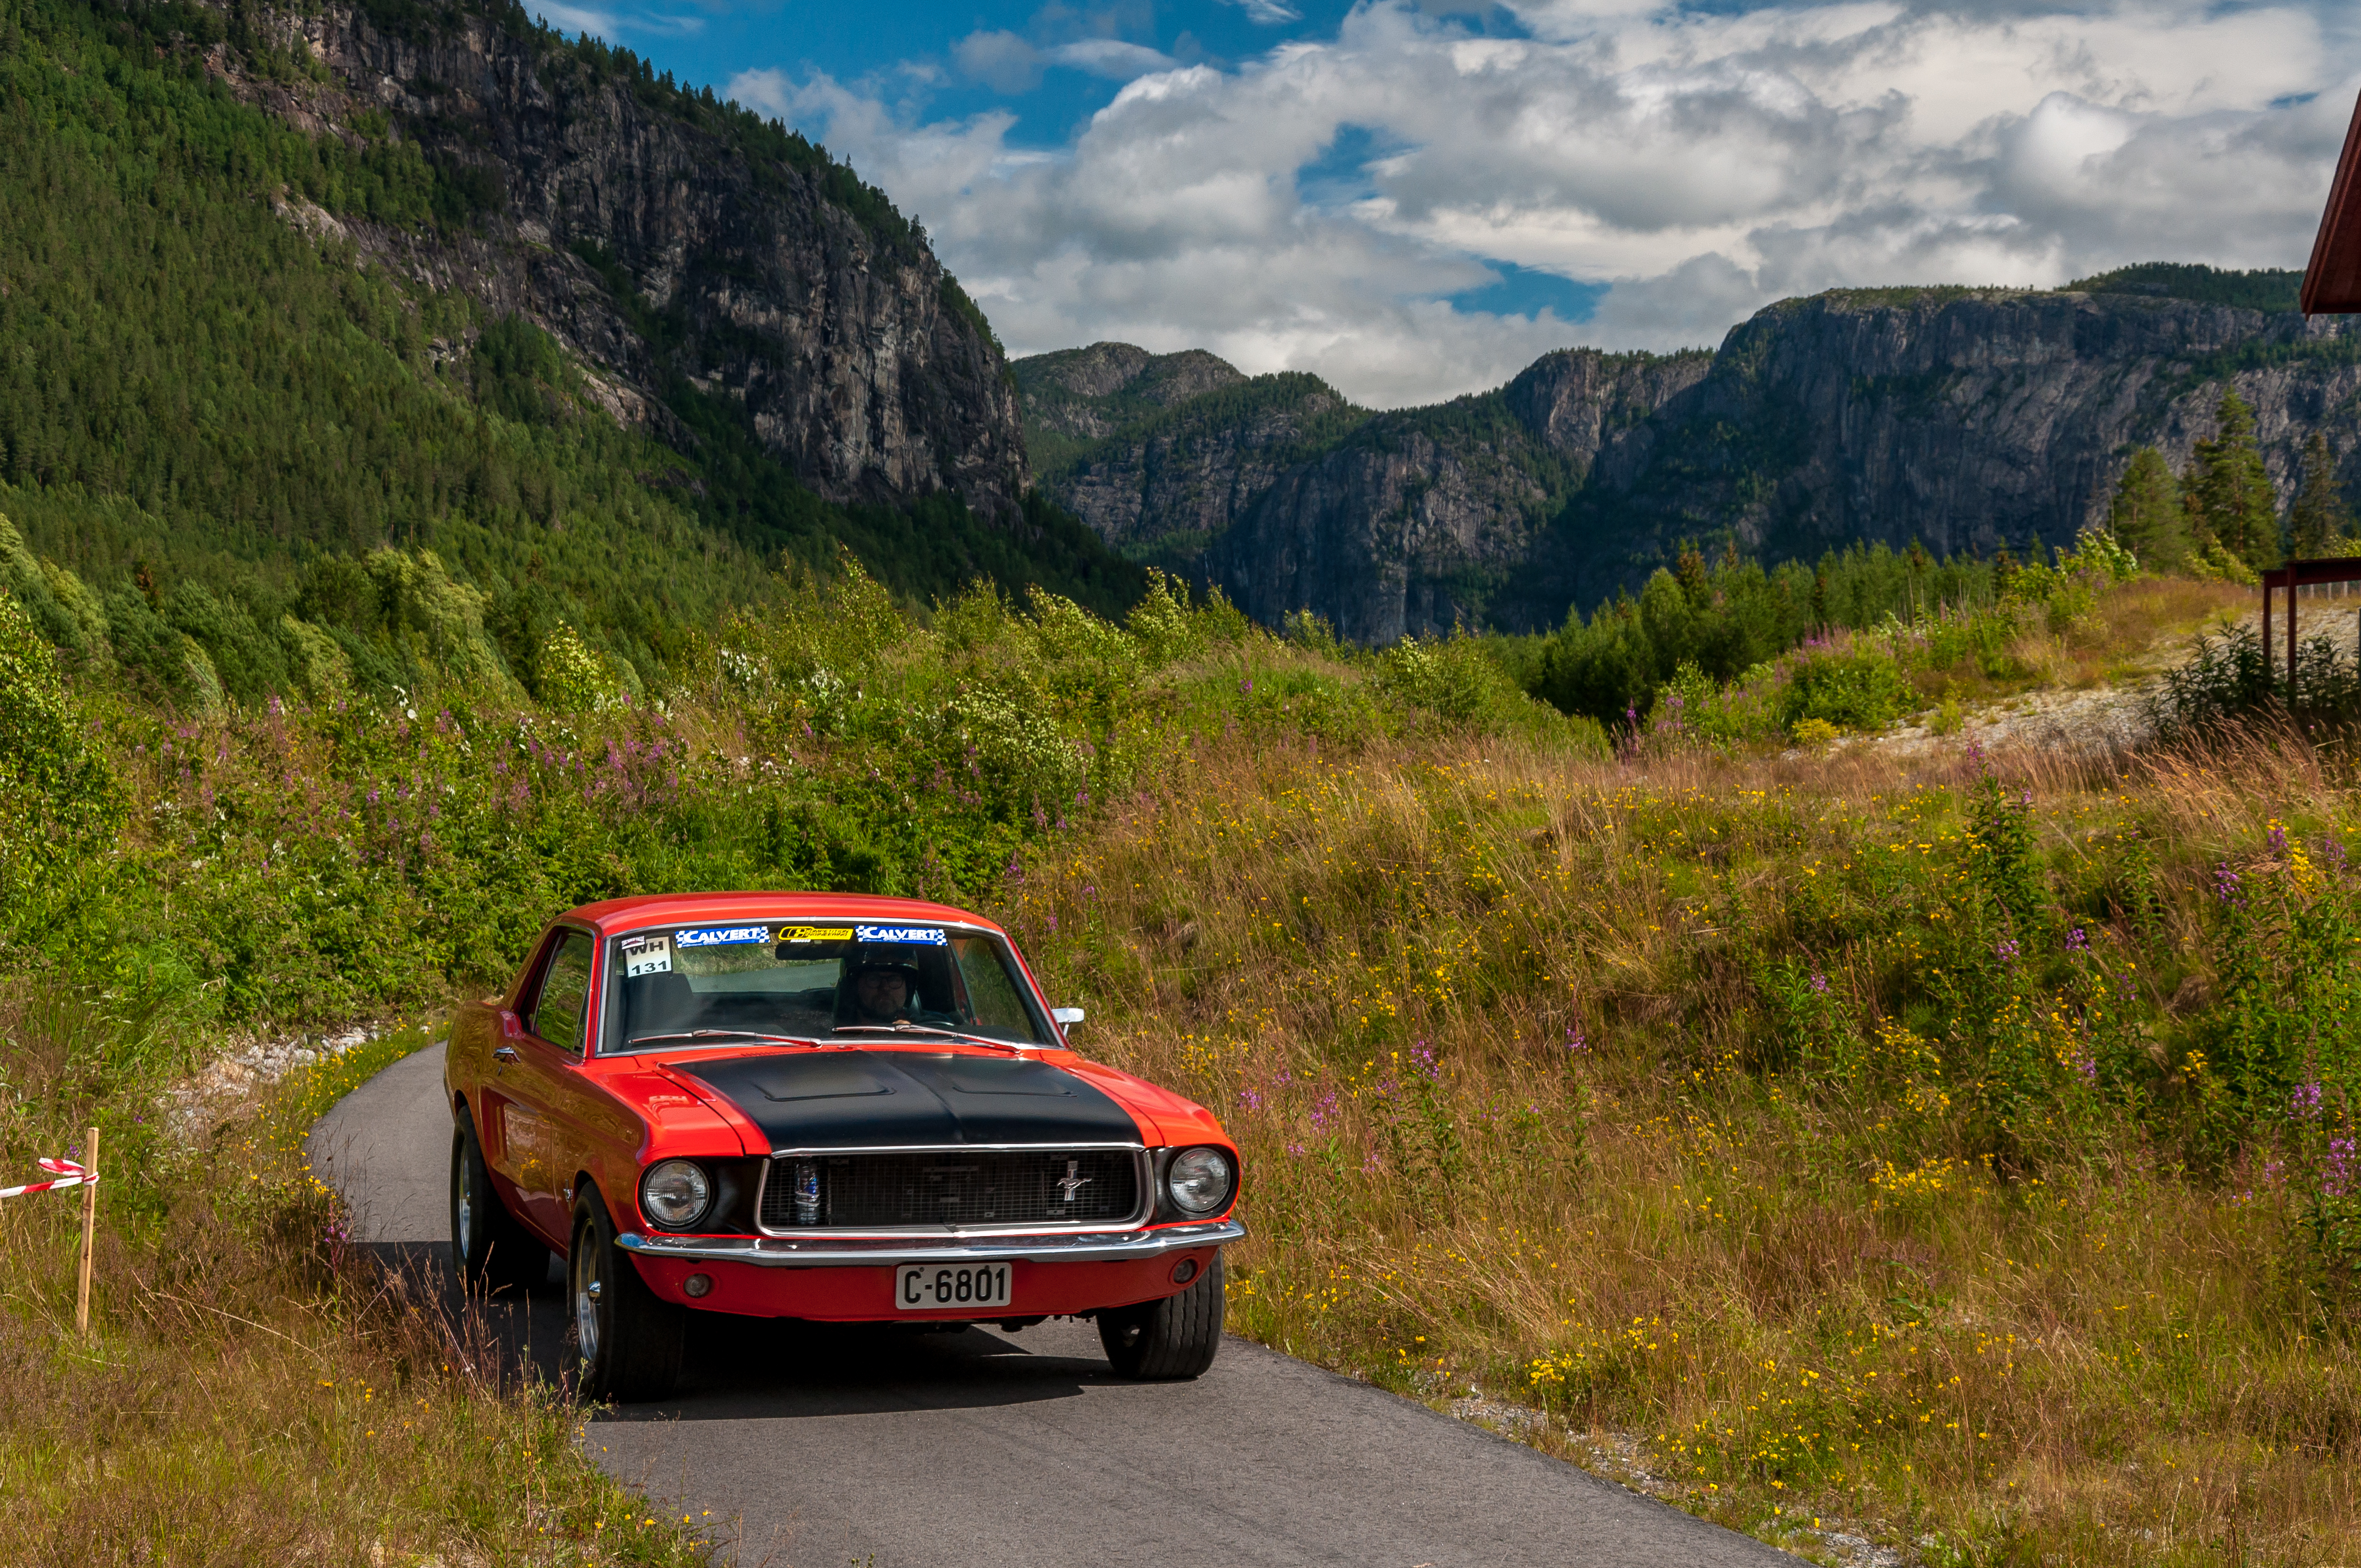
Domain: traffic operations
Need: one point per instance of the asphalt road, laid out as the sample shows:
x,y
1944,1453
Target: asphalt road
x,y
880,1449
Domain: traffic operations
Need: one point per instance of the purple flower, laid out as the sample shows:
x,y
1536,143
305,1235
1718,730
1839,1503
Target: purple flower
x,y
2087,1067
1819,983
2225,883
2076,942
2277,839
1246,685
1251,1099
1573,1039
2336,1179
2006,951
2304,1103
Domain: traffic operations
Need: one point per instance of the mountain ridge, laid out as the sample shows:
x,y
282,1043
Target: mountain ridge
x,y
1963,418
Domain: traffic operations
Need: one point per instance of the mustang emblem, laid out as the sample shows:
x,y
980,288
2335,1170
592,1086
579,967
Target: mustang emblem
x,y
1071,1183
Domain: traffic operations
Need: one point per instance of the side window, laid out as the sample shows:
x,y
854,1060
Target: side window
x,y
991,990
559,1011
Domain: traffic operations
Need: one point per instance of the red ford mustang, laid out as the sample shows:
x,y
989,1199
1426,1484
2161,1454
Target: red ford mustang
x,y
803,1106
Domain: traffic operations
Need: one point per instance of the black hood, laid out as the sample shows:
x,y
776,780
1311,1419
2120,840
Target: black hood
x,y
833,1100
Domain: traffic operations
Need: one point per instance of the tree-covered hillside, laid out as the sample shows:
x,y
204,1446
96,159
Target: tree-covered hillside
x,y
241,457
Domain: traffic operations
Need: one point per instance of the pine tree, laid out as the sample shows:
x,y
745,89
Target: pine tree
x,y
2146,517
2227,491
2321,517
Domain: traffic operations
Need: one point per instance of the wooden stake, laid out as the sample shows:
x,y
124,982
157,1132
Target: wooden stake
x,y
89,1232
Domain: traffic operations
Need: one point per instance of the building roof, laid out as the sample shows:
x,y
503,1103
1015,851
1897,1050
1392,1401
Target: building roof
x,y
2331,284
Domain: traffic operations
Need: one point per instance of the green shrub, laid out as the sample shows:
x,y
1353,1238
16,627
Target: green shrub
x,y
1861,689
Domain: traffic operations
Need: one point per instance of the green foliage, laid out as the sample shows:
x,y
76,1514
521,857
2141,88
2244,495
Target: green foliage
x,y
2145,514
2265,289
1865,689
1455,679
2227,491
2232,678
2320,520
218,434
1736,617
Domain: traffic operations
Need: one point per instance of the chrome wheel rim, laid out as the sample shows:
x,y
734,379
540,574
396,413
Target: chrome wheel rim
x,y
585,1303
463,1207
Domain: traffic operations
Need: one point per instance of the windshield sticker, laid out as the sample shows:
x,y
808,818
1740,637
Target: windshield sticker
x,y
646,955
926,936
722,936
815,933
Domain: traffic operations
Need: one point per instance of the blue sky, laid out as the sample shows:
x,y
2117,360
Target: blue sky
x,y
1417,199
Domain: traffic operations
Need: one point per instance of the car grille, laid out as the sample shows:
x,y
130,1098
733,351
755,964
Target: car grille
x,y
956,1187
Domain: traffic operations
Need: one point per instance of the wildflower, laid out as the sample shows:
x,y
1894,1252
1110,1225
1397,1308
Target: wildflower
x,y
2336,1177
2278,840
2225,883
2304,1103
2006,950
2076,942
1574,1038
1819,983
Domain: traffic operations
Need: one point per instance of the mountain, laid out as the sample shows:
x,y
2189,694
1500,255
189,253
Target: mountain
x,y
1961,418
413,325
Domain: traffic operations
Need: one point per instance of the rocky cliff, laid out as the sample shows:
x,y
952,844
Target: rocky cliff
x,y
1962,419
666,239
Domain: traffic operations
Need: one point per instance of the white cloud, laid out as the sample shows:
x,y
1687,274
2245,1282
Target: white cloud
x,y
1701,165
613,24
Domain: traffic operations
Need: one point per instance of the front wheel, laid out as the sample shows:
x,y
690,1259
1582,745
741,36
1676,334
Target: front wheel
x,y
627,1338
490,1248
1167,1341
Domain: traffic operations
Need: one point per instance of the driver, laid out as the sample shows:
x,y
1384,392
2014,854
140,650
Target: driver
x,y
882,993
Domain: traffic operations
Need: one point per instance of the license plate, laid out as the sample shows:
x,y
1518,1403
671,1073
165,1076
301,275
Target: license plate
x,y
948,1286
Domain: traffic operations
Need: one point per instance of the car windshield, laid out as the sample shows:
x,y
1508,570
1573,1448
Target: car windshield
x,y
690,985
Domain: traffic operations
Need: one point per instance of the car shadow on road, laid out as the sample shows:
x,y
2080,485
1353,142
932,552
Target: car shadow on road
x,y
757,1369
753,1368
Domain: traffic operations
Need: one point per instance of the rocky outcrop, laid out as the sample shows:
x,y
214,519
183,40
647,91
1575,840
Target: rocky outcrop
x,y
665,239
1962,419
1159,453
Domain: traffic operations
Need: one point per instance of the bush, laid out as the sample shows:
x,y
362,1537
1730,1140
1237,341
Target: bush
x,y
1862,689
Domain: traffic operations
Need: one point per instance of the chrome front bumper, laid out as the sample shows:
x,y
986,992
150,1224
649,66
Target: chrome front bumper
x,y
781,1252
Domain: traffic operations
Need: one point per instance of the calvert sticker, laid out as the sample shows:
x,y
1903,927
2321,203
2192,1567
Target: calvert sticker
x,y
646,955
815,933
723,936
926,936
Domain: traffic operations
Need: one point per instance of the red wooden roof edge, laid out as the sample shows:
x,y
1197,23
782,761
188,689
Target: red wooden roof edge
x,y
2331,284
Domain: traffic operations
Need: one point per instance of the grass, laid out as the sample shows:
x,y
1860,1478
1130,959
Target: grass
x,y
1652,1095
1957,1148
255,1390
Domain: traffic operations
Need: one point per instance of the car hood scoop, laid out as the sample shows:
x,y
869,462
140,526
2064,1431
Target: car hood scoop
x,y
885,1099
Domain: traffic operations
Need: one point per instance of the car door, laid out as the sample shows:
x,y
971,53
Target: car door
x,y
538,1089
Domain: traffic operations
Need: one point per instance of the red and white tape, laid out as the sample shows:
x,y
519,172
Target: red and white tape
x,y
63,1173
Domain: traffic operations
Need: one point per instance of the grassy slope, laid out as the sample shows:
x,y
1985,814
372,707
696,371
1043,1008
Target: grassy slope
x,y
1726,1105
212,418
1748,1107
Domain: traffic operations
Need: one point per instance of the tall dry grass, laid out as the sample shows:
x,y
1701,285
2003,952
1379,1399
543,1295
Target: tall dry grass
x,y
255,1390
1493,1028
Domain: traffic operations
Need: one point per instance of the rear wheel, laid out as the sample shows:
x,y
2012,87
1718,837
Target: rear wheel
x,y
490,1247
1177,1338
627,1338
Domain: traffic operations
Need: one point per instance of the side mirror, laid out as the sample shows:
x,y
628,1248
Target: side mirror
x,y
1066,1018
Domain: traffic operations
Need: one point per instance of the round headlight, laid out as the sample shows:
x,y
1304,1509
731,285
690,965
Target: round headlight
x,y
676,1192
1199,1180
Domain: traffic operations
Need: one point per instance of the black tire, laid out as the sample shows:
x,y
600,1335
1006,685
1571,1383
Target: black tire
x,y
490,1248
627,1338
1167,1341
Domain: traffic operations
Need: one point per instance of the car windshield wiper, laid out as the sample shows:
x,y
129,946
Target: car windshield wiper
x,y
905,1027
724,1035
